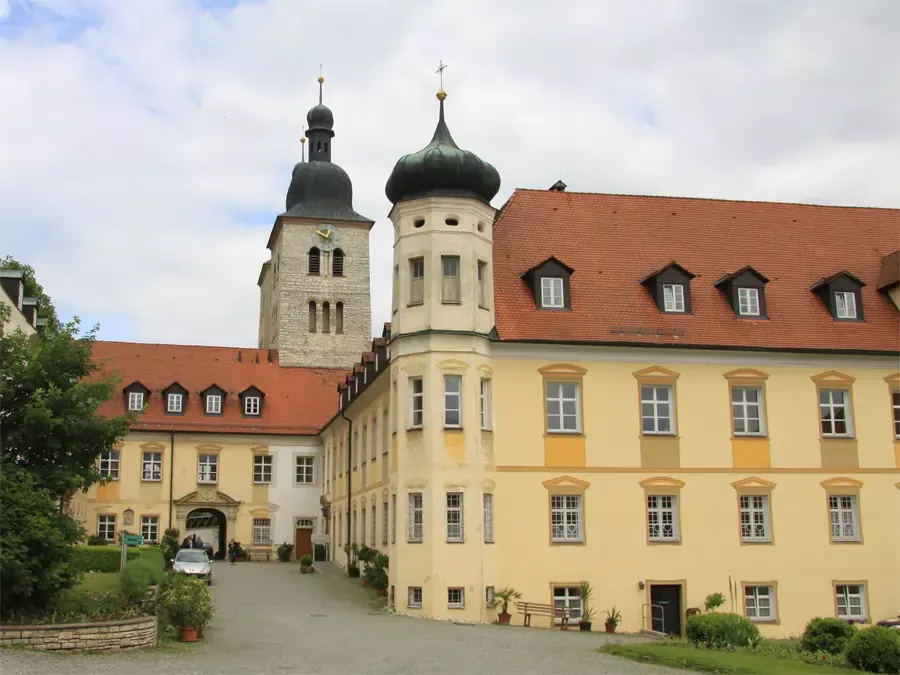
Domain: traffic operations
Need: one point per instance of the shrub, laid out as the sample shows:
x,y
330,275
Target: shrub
x,y
722,630
352,570
376,571
306,561
134,580
366,554
187,601
100,558
95,540
170,544
714,601
827,635
285,551
875,649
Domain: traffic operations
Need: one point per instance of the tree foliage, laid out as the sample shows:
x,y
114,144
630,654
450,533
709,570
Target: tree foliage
x,y
33,289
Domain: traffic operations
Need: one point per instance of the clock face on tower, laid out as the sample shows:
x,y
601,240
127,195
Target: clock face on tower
x,y
326,237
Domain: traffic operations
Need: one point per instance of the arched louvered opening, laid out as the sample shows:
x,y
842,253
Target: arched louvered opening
x,y
312,316
337,263
326,317
339,317
315,261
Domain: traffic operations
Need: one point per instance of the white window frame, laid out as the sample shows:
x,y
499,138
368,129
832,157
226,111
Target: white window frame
x,y
660,509
488,506
845,305
454,513
895,406
208,467
673,298
213,404
416,281
105,522
416,529
756,518
562,422
362,522
452,401
414,597
262,469
451,292
748,301
151,466
843,511
568,597
489,597
262,531
656,404
481,277
417,402
109,465
456,597
756,602
150,528
175,403
741,411
384,523
135,401
374,525
843,593
552,293
252,405
566,518
486,404
827,410
304,470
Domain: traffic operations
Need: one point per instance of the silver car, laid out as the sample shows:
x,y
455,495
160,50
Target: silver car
x,y
195,562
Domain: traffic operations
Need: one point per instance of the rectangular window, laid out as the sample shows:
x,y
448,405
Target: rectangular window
x,y
251,405
482,284
262,468
395,288
845,304
755,518
454,513
656,409
362,529
384,523
452,400
416,401
759,603
851,601
834,408
748,301
393,519
565,518
552,293
563,407
208,469
174,403
746,411
844,512
662,517
150,528
374,525
304,470
416,522
485,404
261,530
489,596
213,404
673,297
416,281
456,598
109,465
895,403
151,467
106,527
488,518
450,279
414,597
136,400
568,597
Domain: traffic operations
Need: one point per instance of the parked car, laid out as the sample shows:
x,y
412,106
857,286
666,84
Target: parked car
x,y
890,623
195,562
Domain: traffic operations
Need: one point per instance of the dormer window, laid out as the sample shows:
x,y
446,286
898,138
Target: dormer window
x,y
552,293
745,290
213,398
251,402
549,284
842,295
174,397
251,405
748,302
136,395
670,288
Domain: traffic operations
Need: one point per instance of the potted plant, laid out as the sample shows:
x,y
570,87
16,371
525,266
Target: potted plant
x,y
284,552
505,595
585,592
376,574
613,619
306,564
188,603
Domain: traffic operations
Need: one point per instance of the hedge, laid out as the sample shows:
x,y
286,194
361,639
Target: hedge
x,y
875,649
827,635
100,558
722,630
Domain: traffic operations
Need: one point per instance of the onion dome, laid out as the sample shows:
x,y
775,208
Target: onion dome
x,y
442,168
320,116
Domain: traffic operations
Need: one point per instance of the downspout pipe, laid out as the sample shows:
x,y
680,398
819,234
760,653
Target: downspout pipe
x,y
349,478
171,473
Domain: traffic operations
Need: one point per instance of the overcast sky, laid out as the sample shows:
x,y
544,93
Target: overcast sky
x,y
146,145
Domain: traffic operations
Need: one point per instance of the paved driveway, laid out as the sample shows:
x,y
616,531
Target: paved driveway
x,y
272,619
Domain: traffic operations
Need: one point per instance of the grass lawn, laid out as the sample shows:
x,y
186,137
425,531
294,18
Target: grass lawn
x,y
711,661
97,582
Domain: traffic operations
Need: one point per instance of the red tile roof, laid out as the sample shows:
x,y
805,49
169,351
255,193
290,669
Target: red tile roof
x,y
614,241
297,400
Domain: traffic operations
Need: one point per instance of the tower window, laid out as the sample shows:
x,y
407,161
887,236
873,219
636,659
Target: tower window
x,y
315,261
450,279
312,316
318,146
326,146
326,317
339,317
337,263
452,222
416,281
418,222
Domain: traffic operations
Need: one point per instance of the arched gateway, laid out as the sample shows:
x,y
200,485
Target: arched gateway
x,y
209,500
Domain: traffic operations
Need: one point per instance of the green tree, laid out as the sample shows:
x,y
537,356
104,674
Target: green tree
x,y
33,289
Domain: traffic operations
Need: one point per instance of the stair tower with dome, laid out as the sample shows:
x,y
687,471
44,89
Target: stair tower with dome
x,y
315,302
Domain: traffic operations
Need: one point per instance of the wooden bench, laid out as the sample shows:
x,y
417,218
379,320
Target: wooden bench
x,y
531,608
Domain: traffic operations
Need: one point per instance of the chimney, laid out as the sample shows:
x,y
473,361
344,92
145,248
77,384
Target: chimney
x,y
558,186
13,282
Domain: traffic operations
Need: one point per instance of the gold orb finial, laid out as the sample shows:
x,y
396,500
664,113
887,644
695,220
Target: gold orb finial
x,y
441,95
303,139
321,79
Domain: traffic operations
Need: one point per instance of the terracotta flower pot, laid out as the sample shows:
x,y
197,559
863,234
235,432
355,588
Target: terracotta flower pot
x,y
610,627
381,592
365,581
188,634
504,617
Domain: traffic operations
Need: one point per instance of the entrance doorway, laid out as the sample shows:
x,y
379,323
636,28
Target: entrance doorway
x,y
303,538
667,596
210,526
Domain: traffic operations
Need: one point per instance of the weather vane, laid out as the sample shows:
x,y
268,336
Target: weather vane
x,y
440,71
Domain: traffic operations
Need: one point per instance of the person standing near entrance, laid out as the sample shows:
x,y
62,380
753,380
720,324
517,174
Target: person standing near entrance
x,y
232,550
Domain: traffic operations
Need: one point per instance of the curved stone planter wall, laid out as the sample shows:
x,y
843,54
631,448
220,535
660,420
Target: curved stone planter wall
x,y
102,636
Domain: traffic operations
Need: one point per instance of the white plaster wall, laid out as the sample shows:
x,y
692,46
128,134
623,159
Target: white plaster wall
x,y
287,501
16,318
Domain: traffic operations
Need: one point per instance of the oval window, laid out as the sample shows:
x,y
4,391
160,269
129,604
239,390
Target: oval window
x,y
418,222
452,222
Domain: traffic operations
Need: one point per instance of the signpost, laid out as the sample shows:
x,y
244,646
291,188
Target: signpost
x,y
129,540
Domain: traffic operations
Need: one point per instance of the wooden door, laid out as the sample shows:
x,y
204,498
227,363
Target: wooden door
x,y
669,598
303,542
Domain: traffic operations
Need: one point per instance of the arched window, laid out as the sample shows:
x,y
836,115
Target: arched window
x,y
339,318
337,263
326,317
312,316
315,260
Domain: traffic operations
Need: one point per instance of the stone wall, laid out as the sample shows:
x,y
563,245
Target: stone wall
x,y
102,636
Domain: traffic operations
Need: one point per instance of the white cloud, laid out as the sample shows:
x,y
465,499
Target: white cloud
x,y
150,142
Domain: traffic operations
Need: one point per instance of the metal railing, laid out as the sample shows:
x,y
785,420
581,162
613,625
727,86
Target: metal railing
x,y
648,616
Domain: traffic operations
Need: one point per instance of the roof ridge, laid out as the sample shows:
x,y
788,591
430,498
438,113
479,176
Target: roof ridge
x,y
177,344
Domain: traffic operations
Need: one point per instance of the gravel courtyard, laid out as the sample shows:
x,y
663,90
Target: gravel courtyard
x,y
272,619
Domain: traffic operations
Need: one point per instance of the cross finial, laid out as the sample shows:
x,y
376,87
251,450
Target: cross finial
x,y
440,71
